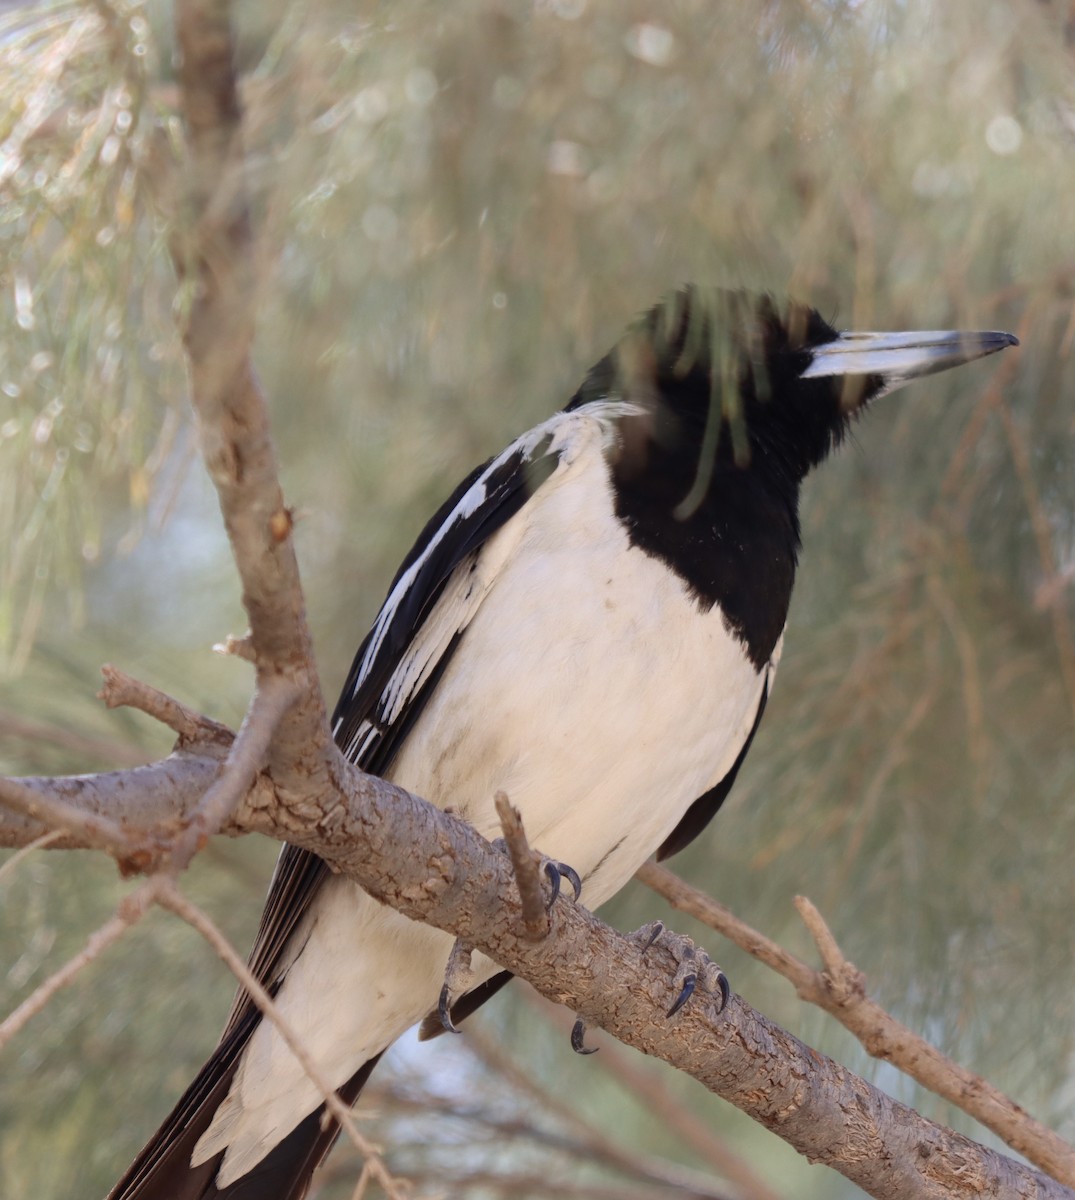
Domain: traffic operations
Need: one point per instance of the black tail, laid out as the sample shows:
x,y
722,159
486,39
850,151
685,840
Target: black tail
x,y
285,1172
162,1170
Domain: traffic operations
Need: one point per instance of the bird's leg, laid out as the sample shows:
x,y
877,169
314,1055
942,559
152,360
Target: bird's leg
x,y
457,977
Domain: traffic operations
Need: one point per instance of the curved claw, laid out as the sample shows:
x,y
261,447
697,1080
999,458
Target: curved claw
x,y
572,876
557,871
725,991
444,1010
655,931
578,1035
689,984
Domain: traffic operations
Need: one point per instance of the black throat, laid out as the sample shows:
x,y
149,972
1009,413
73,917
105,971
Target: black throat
x,y
734,543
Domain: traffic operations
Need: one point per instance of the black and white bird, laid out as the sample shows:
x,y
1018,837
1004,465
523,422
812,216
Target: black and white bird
x,y
591,624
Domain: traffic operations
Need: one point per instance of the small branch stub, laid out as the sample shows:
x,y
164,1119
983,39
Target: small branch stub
x,y
239,647
843,979
535,915
280,525
121,690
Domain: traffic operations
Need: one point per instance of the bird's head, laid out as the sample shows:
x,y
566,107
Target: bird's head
x,y
734,380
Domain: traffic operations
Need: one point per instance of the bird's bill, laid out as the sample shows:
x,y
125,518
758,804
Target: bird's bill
x,y
900,357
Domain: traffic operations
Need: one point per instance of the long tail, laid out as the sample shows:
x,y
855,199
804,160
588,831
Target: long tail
x,y
162,1170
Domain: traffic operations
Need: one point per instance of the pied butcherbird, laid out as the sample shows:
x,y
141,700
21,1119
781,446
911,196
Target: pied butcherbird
x,y
591,624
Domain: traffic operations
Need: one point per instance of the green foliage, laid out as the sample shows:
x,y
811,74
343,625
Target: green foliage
x,y
460,207
89,370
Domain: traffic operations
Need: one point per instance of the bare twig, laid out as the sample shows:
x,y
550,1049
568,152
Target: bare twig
x,y
130,910
120,689
836,966
170,897
364,1177
840,991
535,916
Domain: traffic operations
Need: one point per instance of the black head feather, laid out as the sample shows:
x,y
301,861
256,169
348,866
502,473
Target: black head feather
x,y
728,365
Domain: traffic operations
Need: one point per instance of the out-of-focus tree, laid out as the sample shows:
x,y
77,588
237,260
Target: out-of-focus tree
x,y
461,206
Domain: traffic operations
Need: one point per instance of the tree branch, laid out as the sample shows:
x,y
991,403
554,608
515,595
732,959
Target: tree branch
x,y
840,991
122,690
151,802
232,416
451,878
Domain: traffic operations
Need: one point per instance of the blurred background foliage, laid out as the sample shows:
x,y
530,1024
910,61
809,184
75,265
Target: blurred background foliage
x,y
460,206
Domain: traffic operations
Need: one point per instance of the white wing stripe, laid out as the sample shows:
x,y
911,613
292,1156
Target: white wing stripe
x,y
557,429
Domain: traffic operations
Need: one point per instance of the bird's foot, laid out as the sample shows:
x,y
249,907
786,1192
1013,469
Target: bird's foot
x,y
694,968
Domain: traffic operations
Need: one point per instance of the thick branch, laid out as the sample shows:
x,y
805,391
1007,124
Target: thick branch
x,y
46,811
453,879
